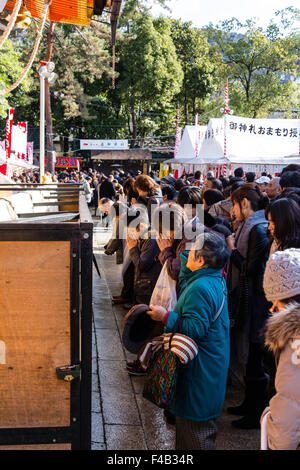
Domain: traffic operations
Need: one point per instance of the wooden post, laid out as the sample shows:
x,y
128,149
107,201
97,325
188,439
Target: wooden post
x,y
49,126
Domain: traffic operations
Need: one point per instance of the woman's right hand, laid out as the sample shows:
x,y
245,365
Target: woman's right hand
x,y
163,242
157,313
231,242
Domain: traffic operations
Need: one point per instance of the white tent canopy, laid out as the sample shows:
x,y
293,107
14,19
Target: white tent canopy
x,y
192,138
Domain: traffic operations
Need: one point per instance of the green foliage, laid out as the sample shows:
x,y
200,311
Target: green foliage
x,y
160,64
11,67
150,74
256,62
134,8
199,64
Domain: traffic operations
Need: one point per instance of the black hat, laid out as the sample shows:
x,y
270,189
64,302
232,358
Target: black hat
x,y
169,179
138,328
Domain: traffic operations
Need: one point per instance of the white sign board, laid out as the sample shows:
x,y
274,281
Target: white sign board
x,y
251,140
262,138
113,144
19,140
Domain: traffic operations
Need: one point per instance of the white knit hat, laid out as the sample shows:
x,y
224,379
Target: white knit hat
x,y
282,275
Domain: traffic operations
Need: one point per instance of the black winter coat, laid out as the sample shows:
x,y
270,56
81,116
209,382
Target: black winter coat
x,y
248,304
147,269
107,190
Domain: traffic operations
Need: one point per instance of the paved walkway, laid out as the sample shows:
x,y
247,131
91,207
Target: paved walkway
x,y
121,418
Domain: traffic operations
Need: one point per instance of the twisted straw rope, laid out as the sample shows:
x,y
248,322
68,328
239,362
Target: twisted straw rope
x,y
33,54
11,22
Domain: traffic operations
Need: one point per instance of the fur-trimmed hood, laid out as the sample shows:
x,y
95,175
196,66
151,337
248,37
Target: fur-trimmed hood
x,y
282,327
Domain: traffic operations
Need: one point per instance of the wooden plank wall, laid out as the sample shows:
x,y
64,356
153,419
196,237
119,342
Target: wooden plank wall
x,y
34,334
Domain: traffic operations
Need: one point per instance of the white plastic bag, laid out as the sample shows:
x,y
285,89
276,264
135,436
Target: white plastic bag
x,y
164,293
263,432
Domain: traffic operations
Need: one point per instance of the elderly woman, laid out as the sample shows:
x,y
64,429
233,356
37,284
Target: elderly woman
x,y
202,306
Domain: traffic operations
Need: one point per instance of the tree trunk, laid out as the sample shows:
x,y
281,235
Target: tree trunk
x,y
49,126
65,144
134,126
194,106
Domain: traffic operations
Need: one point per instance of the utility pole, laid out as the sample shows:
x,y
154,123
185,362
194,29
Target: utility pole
x,y
49,127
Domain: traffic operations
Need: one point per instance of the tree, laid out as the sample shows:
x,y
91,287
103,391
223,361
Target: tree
x,y
134,8
82,61
11,67
199,65
150,74
259,64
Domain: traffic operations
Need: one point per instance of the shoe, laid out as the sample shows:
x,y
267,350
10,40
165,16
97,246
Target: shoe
x,y
256,398
127,306
119,301
237,410
136,369
170,418
247,422
132,364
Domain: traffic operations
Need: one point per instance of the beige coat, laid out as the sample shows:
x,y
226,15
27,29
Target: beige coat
x,y
222,209
283,338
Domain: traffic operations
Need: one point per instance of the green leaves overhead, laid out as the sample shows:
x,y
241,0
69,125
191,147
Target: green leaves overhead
x,y
151,71
160,64
199,66
259,65
11,67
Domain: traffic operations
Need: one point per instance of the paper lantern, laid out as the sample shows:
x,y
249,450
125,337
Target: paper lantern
x,y
77,12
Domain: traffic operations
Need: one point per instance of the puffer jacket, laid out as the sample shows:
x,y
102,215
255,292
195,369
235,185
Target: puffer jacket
x,y
283,339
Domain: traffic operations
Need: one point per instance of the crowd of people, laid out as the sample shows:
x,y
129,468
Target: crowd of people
x,y
246,237
232,245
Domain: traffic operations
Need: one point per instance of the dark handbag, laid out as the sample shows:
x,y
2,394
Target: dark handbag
x,y
160,382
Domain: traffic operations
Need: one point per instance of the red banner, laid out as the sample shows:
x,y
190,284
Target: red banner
x,y
67,162
9,124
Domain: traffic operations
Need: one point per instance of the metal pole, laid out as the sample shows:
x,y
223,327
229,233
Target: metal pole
x,y
42,127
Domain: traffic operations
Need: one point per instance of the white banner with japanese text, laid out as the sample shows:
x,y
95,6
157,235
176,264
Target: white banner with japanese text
x,y
95,144
262,138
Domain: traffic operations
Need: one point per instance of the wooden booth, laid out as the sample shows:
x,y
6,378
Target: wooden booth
x,y
46,320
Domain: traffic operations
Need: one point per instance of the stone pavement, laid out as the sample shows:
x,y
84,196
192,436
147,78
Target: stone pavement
x,y
121,418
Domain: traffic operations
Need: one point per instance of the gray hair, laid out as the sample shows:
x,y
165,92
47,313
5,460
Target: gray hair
x,y
212,248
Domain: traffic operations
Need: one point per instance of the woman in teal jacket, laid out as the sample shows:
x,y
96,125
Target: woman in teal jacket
x,y
202,304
